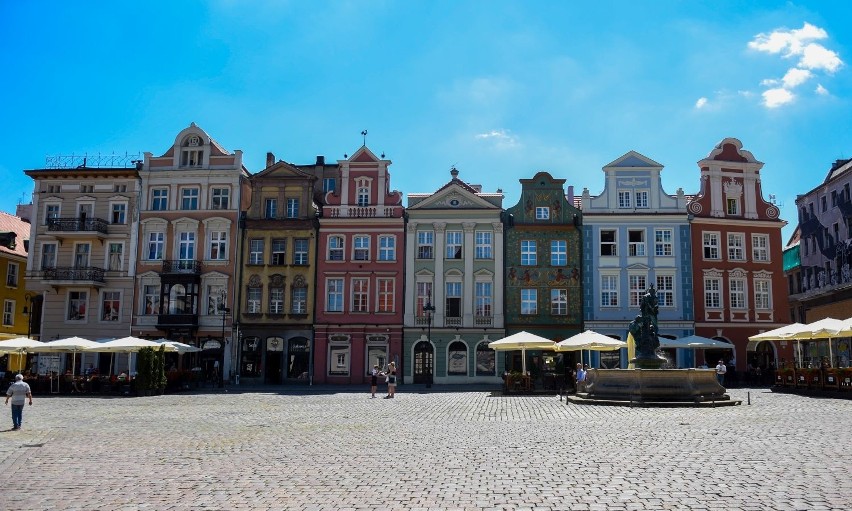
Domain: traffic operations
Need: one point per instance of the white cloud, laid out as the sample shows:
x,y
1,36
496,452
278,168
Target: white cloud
x,y
774,98
502,139
822,91
811,57
816,56
795,77
701,102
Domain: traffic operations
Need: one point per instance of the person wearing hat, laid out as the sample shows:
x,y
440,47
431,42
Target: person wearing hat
x,y
19,392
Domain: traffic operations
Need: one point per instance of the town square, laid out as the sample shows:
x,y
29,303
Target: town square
x,y
326,448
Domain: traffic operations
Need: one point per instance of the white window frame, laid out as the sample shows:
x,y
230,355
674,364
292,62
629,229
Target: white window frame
x,y
636,248
624,199
737,293
220,197
453,289
276,300
609,290
300,257
298,300
529,253
12,274
529,301
665,290
559,302
483,244
663,242
257,247
760,248
732,206
334,288
52,252
425,244
611,245
387,248
115,312
763,294
454,247
118,213
542,213
483,299
150,293
637,285
8,312
82,299
186,246
254,300
641,199
189,199
713,293
711,243
78,253
270,208
278,251
385,295
361,247
156,241
293,207
360,301
159,199
736,246
109,256
558,253
218,242
336,243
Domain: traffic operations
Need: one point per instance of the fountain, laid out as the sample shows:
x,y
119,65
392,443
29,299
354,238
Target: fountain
x,y
646,383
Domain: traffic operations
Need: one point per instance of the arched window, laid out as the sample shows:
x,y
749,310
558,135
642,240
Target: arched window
x,y
486,361
457,359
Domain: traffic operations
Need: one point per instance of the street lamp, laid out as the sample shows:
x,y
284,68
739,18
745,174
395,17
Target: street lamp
x,y
225,311
28,312
429,309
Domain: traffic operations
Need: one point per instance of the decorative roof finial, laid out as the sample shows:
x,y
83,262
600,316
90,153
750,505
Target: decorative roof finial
x,y
454,172
364,133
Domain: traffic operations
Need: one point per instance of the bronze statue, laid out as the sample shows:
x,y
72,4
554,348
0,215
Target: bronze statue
x,y
644,331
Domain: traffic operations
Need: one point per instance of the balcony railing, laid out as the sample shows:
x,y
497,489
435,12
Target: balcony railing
x,y
483,321
362,212
89,273
77,225
177,320
183,266
453,321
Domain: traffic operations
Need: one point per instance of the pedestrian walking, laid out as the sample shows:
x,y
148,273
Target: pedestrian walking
x,y
374,381
391,376
580,378
19,392
721,369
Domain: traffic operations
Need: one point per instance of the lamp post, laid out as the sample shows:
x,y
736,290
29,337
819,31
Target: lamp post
x,y
28,312
225,311
429,309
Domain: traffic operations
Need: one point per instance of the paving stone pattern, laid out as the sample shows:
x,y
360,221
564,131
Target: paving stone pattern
x,y
424,451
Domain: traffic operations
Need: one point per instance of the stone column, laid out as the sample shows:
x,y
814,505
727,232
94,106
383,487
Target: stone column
x,y
411,287
438,284
467,285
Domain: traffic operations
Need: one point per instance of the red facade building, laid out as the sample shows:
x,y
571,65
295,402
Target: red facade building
x,y
738,277
359,306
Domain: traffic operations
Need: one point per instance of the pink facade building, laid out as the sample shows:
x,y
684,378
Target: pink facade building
x,y
360,274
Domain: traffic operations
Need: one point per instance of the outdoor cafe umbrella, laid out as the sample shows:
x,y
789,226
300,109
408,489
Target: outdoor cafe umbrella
x,y
695,342
127,345
826,328
19,345
522,341
180,347
71,344
590,340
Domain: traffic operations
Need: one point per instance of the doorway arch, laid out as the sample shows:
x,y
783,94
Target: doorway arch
x,y
424,362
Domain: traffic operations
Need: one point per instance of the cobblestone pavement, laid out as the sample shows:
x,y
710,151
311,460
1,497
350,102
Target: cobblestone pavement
x,y
423,451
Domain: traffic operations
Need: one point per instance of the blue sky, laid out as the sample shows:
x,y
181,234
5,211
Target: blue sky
x,y
499,89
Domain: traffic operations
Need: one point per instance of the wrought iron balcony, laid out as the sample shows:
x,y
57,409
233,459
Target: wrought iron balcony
x,y
77,225
182,266
86,273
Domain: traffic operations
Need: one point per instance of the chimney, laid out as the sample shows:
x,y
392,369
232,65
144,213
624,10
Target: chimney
x,y
569,195
320,160
270,159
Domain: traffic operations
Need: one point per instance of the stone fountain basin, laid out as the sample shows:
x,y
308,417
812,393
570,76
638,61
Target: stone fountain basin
x,y
653,385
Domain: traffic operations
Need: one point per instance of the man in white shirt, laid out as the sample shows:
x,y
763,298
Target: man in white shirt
x,y
720,372
19,392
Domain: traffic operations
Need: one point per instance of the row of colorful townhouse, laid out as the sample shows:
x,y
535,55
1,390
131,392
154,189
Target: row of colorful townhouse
x,y
317,273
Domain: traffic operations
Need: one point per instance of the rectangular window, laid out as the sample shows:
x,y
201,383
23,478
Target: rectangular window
x,y
387,248
663,242
192,157
300,251
834,198
119,213
609,291
292,208
483,244
77,301
156,245
608,243
642,199
270,209
824,204
638,286
453,300
712,293
276,300
425,243
48,256
454,245
299,303
737,293
711,245
762,294
279,252
424,296
254,299
636,243
361,248
733,205
386,295
558,253
110,305
334,295
559,302
328,184
529,301
256,251
114,258
186,246
736,247
51,212
151,300
215,299
360,290
189,199
8,313
624,200
159,199
363,195
665,290
760,247
220,198
529,255
338,359
483,299
218,245
12,274
335,248
81,255
542,213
